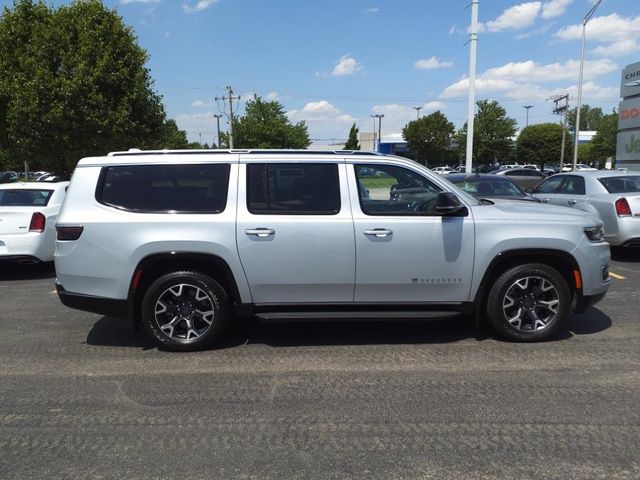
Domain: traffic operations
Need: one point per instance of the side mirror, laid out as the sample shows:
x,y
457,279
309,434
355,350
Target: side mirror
x,y
448,204
529,190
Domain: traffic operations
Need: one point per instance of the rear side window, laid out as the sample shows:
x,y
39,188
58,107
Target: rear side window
x,y
630,184
165,188
293,188
572,186
25,198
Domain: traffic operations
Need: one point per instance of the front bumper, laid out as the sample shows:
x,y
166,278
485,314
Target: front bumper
x,y
582,303
109,307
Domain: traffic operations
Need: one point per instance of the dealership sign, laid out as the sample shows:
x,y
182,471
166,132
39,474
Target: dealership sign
x,y
629,114
628,146
630,82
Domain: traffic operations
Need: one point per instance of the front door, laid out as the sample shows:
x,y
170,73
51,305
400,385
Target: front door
x,y
295,232
405,252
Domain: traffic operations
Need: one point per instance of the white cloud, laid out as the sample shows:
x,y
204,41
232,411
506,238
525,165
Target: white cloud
x,y
555,8
610,28
618,49
202,104
431,64
523,80
199,6
321,111
515,17
373,10
124,2
196,123
272,96
346,65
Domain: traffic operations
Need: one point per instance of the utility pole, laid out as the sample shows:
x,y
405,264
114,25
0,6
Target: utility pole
x,y
379,117
561,107
218,116
374,132
527,107
230,98
471,106
417,109
200,141
587,17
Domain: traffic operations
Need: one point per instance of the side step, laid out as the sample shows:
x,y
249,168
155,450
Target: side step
x,y
408,315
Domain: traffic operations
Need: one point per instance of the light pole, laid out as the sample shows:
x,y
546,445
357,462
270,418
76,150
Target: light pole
x,y
587,17
374,131
527,107
417,109
379,117
471,101
218,117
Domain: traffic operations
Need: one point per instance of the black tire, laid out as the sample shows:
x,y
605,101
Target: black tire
x,y
528,307
194,316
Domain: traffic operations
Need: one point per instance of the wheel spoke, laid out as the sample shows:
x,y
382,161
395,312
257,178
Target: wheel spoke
x,y
516,320
192,333
551,305
508,301
207,316
201,295
160,307
523,283
537,321
168,328
177,290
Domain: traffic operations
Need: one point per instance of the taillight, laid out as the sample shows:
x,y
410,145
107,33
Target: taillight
x,y
622,208
69,232
38,222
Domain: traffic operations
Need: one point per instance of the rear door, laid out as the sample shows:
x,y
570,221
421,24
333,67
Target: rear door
x,y
295,231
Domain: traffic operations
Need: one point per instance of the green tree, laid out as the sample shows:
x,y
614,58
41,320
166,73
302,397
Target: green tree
x,y
492,134
589,118
352,141
73,84
541,144
603,144
172,137
265,125
429,137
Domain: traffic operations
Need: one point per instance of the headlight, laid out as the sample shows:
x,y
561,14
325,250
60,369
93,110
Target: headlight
x,y
595,234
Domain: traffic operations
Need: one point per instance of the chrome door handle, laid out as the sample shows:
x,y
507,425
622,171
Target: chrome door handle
x,y
572,202
260,232
378,232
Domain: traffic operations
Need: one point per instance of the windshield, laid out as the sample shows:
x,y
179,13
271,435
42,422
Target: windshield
x,y
622,184
24,198
490,187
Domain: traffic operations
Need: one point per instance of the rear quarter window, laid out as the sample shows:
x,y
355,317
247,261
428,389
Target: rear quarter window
x,y
626,184
165,188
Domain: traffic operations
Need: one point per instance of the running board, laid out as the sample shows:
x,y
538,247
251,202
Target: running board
x,y
410,315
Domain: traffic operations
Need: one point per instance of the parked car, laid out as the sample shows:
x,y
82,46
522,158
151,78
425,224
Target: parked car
x,y
8,177
28,213
524,177
580,167
180,243
491,187
614,197
444,170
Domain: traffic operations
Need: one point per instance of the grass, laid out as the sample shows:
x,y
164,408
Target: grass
x,y
377,182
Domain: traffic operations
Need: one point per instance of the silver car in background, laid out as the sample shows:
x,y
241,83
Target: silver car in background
x,y
612,196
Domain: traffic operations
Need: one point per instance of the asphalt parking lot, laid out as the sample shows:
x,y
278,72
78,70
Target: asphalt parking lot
x,y
81,397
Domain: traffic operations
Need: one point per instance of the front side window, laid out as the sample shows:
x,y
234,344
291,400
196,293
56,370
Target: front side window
x,y
552,185
165,188
293,188
391,190
25,197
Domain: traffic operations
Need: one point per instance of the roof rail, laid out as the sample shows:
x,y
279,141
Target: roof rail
x,y
138,152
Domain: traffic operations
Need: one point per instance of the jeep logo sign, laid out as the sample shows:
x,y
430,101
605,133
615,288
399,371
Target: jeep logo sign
x,y
630,82
629,114
628,146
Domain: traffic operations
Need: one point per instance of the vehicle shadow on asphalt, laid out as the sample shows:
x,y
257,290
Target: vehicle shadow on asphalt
x,y
622,254
16,271
111,332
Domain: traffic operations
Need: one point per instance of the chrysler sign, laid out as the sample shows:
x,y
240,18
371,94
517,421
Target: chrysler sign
x,y
630,82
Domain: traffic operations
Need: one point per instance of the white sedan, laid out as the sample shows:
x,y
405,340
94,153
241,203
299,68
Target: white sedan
x,y
28,213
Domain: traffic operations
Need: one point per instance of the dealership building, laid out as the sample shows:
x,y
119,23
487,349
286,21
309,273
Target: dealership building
x,y
628,144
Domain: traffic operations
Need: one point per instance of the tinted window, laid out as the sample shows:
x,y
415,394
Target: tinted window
x,y
166,188
572,186
293,188
390,190
625,184
25,198
550,186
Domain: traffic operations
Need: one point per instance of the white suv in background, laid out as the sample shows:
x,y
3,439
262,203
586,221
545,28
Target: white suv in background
x,y
181,242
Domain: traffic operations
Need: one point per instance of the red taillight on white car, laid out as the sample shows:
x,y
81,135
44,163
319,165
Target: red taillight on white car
x,y
38,222
67,233
622,208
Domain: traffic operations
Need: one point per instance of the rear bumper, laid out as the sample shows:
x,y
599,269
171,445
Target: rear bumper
x,y
109,307
24,259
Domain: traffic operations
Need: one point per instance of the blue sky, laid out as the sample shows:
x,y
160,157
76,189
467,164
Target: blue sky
x,y
334,62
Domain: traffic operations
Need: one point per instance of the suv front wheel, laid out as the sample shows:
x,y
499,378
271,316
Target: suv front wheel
x,y
528,302
185,311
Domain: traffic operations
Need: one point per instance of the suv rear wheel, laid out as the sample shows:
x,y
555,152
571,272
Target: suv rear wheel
x,y
528,302
185,311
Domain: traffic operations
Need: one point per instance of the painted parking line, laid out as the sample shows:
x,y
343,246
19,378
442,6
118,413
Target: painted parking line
x,y
616,276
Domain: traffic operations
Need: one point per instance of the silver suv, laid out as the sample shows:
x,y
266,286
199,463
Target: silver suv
x,y
182,242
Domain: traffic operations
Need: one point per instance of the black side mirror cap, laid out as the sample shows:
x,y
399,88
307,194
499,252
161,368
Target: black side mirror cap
x,y
448,204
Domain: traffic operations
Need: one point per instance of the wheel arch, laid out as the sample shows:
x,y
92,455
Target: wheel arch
x,y
155,265
562,261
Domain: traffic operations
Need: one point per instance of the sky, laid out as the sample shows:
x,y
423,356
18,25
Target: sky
x,y
332,63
